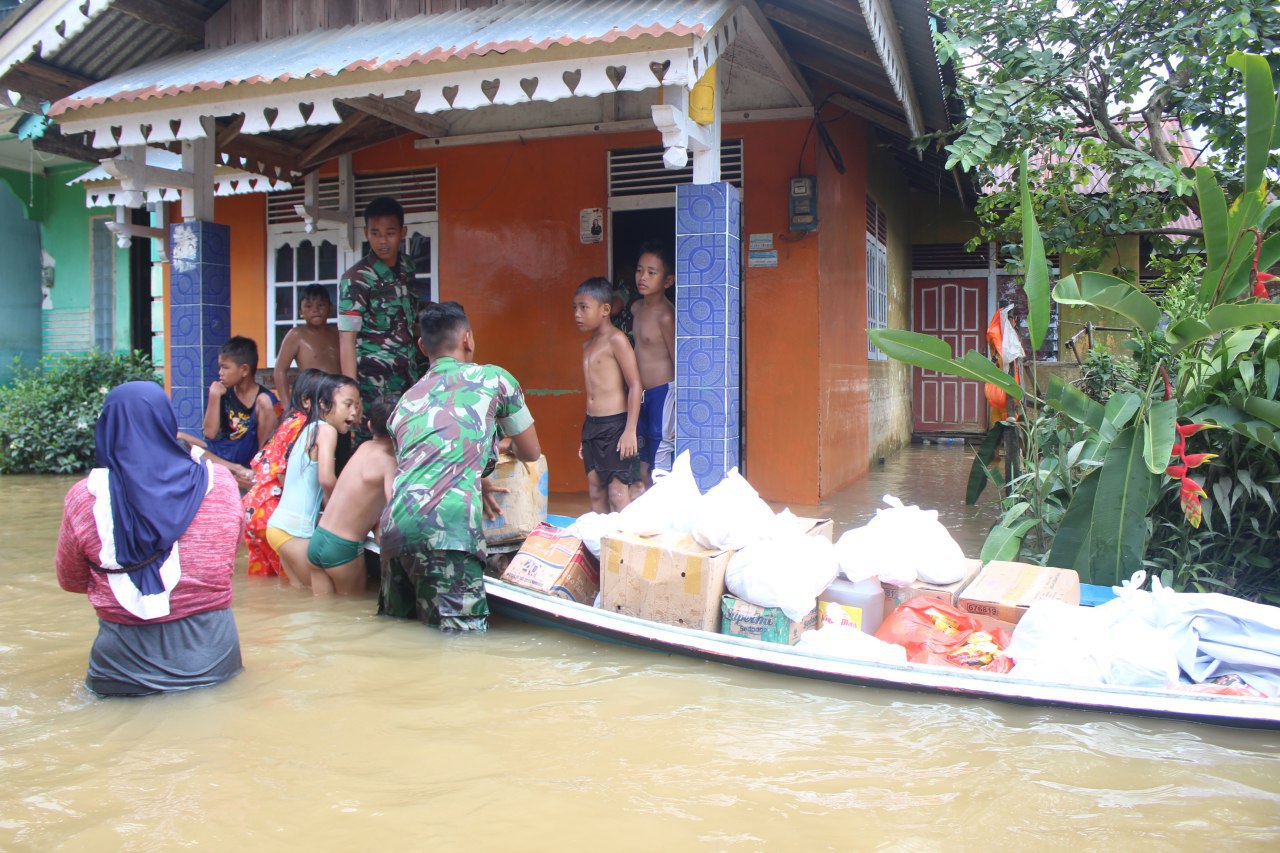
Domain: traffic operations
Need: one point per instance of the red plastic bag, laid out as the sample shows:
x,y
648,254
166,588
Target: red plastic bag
x,y
937,633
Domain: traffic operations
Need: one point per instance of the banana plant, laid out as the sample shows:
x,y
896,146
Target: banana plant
x,y
1137,437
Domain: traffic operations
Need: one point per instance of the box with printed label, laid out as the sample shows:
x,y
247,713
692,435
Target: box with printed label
x,y
524,503
553,562
740,618
1003,590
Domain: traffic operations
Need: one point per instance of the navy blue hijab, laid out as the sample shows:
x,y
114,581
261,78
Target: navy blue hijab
x,y
156,487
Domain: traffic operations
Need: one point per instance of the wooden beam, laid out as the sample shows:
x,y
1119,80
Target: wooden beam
x,y
845,75
873,114
42,70
776,55
400,114
838,39
228,131
247,147
32,88
55,142
329,138
375,136
183,19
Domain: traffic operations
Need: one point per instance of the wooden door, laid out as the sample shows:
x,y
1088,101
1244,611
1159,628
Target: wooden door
x,y
952,309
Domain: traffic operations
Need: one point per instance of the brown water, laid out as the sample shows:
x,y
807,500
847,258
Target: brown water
x,y
351,732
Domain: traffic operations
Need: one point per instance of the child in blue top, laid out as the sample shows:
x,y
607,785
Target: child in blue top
x,y
310,476
241,414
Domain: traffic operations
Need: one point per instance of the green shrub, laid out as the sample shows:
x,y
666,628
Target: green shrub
x,y
47,414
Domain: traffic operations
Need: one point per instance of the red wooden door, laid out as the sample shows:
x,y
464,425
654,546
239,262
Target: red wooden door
x,y
951,309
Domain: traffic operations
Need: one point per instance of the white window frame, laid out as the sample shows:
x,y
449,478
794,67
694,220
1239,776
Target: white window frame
x,y
877,284
295,232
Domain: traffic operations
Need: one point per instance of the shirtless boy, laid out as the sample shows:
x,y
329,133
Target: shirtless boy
x,y
613,398
654,329
362,490
313,344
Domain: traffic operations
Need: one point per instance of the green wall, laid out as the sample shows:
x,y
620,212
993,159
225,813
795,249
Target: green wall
x,y
19,285
66,238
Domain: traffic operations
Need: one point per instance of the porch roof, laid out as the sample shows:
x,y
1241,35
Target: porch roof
x,y
102,189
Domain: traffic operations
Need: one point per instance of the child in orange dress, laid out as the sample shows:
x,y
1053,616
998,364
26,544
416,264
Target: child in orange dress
x,y
268,466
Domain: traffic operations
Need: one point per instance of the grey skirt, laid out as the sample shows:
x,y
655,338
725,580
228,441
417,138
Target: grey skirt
x,y
138,660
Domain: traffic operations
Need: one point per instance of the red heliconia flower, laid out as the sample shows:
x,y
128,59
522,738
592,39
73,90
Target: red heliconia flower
x,y
1189,495
1260,285
1176,472
1195,460
1186,430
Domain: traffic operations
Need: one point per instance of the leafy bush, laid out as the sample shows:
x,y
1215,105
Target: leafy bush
x,y
1103,374
47,414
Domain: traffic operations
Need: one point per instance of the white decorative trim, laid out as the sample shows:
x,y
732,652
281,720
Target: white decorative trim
x,y
463,89
883,27
44,29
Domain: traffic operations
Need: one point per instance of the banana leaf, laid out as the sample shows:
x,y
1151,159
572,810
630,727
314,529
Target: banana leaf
x,y
1070,548
1118,525
930,353
1035,265
1113,294
981,471
1219,319
1260,113
1159,431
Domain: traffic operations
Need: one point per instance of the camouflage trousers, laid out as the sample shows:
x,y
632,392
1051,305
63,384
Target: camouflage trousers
x,y
373,385
441,588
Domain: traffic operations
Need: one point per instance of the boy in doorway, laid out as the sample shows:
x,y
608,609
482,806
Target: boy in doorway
x,y
376,310
654,329
241,414
613,399
313,344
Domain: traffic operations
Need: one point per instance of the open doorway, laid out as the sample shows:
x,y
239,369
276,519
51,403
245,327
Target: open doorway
x,y
629,230
140,286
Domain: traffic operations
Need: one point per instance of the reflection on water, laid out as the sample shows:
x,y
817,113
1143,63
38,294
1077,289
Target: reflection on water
x,y
348,731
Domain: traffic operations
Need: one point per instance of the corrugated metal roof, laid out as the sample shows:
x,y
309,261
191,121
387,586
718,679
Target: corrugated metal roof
x,y
515,27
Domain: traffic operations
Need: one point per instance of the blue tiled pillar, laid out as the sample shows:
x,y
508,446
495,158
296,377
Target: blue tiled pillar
x,y
708,308
199,314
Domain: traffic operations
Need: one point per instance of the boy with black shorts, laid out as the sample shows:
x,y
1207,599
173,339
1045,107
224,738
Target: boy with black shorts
x,y
613,398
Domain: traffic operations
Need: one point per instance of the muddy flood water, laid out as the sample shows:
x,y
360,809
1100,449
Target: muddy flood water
x,y
350,732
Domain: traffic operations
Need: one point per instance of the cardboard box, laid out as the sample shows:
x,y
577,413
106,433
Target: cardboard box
x,y
740,618
1003,591
554,563
524,506
895,596
669,579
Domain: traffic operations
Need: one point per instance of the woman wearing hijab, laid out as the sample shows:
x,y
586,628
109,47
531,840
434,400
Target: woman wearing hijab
x,y
150,536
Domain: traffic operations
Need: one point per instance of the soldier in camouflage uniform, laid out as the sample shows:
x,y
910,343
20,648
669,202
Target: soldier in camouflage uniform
x,y
445,431
376,309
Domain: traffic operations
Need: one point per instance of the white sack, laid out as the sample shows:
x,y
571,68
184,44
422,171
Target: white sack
x,y
591,527
667,506
730,515
841,641
788,571
901,543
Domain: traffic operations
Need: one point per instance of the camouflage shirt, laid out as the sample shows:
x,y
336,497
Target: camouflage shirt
x,y
379,305
445,432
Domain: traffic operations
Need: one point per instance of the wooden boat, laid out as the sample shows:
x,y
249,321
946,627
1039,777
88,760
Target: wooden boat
x,y
533,607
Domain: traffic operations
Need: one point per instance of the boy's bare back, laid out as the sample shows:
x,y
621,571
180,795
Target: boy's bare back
x,y
362,491
605,386
653,325
313,347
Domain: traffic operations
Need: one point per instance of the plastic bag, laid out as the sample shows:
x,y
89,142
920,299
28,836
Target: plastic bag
x,y
838,641
787,571
901,543
937,633
667,506
730,515
591,527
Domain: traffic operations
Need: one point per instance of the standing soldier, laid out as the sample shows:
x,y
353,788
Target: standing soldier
x,y
445,432
376,308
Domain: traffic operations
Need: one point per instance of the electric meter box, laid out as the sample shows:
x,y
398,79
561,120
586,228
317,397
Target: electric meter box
x,y
803,201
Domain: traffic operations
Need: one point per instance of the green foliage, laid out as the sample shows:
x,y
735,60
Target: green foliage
x,y
1103,375
1081,86
47,414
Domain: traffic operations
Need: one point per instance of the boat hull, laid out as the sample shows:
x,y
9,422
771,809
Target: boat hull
x,y
528,606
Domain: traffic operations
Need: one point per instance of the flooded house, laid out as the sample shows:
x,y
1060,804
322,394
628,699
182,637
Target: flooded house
x,y
235,143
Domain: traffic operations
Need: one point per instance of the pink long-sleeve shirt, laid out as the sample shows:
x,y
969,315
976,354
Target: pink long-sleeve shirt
x,y
206,553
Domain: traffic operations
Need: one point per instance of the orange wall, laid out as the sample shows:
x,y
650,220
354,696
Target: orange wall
x,y
842,309
509,252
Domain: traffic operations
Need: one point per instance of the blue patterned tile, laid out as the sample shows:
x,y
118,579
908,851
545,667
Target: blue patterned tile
x,y
216,326
701,209
733,309
185,366
733,197
732,364
184,286
700,259
184,325
708,463
733,266
215,286
731,453
700,413
215,243
700,362
700,310
188,405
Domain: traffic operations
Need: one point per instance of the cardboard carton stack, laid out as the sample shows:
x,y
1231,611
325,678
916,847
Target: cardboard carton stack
x,y
524,504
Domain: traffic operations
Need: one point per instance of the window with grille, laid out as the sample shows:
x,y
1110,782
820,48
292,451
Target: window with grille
x,y
296,259
877,274
640,171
